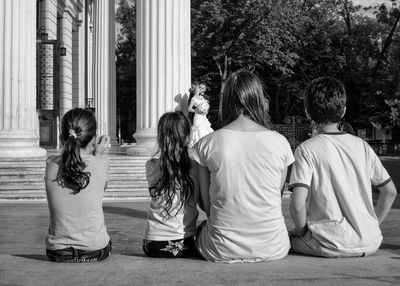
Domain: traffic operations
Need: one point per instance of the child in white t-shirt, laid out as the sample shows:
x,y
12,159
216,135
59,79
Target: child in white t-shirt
x,y
171,222
331,179
242,170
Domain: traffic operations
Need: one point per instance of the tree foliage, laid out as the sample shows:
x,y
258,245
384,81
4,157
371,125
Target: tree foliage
x,y
126,67
288,43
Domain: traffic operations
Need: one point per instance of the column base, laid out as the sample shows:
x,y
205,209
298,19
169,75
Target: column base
x,y
18,144
146,145
22,152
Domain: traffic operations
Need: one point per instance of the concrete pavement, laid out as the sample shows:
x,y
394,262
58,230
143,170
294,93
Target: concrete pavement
x,y
23,261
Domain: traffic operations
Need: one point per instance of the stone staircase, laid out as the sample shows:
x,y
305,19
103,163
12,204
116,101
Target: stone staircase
x,y
23,178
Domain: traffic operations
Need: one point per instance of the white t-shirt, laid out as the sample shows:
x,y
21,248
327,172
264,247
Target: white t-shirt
x,y
338,169
182,222
246,222
77,220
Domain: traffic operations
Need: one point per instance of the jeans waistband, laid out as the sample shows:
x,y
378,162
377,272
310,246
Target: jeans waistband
x,y
76,253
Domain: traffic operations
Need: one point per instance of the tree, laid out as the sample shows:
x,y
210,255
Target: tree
x,y
258,35
126,67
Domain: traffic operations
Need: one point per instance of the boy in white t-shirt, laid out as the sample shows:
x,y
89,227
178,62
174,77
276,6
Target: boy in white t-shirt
x,y
332,179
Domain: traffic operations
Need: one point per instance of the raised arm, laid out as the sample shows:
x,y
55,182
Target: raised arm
x,y
102,144
386,198
204,180
191,105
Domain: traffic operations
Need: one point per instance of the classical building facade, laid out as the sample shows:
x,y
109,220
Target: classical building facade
x,y
75,61
59,54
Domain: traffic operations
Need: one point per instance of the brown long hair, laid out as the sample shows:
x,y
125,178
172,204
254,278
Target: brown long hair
x,y
243,94
172,137
78,127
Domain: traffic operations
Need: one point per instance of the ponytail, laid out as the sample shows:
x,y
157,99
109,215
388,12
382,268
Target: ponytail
x,y
72,166
78,128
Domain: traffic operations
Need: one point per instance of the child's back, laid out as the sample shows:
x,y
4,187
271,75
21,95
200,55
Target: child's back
x,y
340,168
75,184
331,179
77,220
173,187
182,220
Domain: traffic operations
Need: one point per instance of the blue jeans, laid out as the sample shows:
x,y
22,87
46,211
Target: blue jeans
x,y
73,255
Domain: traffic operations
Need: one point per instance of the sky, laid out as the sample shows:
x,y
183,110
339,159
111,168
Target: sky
x,y
371,2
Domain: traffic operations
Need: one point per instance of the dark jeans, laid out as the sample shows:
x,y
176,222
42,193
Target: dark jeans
x,y
70,254
179,248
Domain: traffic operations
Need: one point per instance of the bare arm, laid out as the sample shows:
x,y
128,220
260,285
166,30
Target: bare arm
x,y
285,178
386,198
191,104
102,144
204,199
298,210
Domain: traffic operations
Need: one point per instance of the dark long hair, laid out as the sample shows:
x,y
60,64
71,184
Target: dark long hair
x,y
243,94
78,127
172,137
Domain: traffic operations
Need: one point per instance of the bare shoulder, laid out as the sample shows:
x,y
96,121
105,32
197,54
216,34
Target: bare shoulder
x,y
100,161
152,165
53,160
152,171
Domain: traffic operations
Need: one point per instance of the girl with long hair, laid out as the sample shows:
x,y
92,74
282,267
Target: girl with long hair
x,y
242,172
171,223
75,185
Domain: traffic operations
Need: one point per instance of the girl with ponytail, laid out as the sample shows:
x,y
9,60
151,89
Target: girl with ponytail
x,y
171,223
75,185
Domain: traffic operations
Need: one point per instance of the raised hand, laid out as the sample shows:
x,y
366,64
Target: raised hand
x,y
102,144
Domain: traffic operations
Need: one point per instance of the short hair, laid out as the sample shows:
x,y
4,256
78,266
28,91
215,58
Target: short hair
x,y
243,94
325,100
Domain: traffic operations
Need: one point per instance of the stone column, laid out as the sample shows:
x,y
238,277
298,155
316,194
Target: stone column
x,y
82,55
104,67
77,100
163,66
65,103
48,12
48,25
19,125
89,72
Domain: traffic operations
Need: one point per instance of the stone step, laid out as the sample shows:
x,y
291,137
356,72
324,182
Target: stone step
x,y
144,194
23,195
130,184
40,179
131,168
129,173
127,179
24,159
17,187
22,165
113,194
23,178
18,175
17,172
